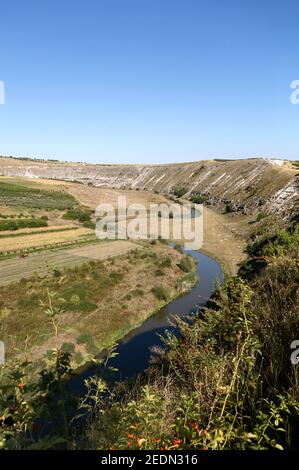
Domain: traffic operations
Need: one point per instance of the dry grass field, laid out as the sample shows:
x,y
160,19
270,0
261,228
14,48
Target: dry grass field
x,y
100,301
88,195
14,269
44,239
31,231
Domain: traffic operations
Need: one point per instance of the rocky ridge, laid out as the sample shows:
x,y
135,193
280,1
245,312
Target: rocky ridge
x,y
235,185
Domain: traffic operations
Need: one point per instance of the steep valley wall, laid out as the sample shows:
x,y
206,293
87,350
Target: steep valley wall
x,y
240,185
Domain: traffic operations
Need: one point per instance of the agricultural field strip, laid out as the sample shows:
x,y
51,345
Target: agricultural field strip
x,y
37,230
15,269
37,240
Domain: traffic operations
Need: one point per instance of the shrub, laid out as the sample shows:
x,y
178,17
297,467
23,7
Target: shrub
x,y
56,273
89,224
198,199
261,215
179,192
186,264
137,292
166,262
229,208
128,297
22,223
160,293
78,213
275,244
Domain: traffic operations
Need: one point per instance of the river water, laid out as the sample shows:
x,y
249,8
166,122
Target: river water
x,y
133,352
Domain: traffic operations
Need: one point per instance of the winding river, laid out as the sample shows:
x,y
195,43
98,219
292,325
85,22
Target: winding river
x,y
133,352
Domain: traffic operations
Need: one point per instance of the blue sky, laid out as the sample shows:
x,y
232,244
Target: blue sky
x,y
149,81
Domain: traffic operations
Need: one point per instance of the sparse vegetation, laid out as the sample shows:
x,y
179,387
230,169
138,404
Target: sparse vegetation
x,y
80,214
160,293
12,194
179,192
275,244
198,199
15,224
186,263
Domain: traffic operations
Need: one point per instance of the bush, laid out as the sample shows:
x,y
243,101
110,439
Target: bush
x,y
77,213
261,216
89,224
179,192
166,262
275,244
186,264
136,292
160,293
198,199
22,223
128,297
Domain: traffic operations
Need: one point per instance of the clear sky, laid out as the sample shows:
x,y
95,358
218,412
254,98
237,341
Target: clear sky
x,y
153,81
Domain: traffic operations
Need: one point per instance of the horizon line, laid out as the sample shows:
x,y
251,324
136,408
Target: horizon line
x,y
220,159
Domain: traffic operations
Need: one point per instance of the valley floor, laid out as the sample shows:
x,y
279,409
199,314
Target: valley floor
x,y
225,239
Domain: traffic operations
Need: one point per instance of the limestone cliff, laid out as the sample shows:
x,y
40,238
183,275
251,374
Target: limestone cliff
x,y
239,185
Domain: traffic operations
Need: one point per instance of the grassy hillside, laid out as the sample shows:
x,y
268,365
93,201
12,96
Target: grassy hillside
x,y
228,381
23,196
244,186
